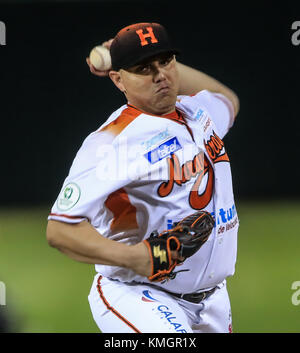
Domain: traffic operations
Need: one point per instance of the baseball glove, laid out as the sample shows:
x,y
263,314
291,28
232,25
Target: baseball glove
x,y
186,237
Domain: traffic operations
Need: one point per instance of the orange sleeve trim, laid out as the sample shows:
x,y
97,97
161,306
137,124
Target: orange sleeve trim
x,y
114,311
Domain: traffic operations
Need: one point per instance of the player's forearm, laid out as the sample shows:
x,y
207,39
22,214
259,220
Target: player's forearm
x,y
83,243
192,81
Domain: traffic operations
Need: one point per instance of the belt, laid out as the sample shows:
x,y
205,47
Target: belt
x,y
195,297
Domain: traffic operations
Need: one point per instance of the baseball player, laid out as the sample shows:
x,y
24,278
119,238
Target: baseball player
x,y
149,197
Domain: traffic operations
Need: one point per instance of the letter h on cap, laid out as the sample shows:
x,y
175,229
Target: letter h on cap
x,y
148,34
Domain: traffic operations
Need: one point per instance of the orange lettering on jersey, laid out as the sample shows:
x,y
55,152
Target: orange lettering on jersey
x,y
180,175
200,201
174,174
213,147
148,34
197,168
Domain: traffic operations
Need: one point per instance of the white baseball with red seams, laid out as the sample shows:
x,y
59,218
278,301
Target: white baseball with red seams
x,y
140,172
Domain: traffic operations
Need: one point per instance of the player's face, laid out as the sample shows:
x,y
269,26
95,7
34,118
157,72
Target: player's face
x,y
152,85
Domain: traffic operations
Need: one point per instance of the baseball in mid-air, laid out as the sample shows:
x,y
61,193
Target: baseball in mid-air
x,y
100,58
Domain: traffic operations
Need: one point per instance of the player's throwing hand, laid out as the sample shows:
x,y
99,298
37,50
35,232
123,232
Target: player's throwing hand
x,y
93,70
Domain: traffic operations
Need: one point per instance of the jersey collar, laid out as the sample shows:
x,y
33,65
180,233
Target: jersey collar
x,y
176,115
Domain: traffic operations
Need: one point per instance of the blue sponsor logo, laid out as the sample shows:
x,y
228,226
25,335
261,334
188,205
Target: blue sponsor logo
x,y
169,224
164,150
147,297
171,318
224,215
165,312
198,114
156,139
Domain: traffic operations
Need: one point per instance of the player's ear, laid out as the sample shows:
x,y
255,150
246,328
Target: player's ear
x,y
116,77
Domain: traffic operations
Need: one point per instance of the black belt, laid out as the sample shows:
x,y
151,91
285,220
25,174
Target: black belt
x,y
195,297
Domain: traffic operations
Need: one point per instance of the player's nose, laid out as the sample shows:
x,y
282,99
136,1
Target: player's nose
x,y
158,73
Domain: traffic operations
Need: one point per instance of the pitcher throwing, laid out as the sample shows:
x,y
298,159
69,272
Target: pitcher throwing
x,y
149,196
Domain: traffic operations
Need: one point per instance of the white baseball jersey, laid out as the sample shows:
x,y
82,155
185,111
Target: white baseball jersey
x,y
140,172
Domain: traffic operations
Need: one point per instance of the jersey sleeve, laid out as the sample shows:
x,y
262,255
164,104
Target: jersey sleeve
x,y
219,108
96,172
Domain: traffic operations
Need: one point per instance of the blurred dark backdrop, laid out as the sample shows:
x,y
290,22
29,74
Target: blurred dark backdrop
x,y
50,102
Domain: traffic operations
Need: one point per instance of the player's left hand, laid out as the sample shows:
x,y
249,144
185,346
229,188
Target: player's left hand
x,y
186,238
140,260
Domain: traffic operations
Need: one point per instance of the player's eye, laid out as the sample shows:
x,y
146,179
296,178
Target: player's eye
x,y
166,60
143,69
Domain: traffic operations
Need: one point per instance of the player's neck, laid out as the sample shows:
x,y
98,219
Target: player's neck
x,y
156,113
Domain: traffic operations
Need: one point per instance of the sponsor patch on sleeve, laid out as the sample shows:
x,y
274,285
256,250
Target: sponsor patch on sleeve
x,y
163,150
68,197
200,114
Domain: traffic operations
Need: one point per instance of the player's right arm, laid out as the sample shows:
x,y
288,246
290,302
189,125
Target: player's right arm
x,y
193,81
81,242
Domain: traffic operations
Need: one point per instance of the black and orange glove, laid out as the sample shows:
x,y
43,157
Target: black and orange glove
x,y
186,237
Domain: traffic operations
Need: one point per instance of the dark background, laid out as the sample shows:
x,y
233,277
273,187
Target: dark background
x,y
49,101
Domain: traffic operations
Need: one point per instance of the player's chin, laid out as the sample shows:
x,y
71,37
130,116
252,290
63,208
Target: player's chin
x,y
166,101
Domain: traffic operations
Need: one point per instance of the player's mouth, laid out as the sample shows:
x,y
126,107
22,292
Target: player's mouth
x,y
163,89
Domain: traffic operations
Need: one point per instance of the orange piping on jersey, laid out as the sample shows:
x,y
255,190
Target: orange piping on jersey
x,y
114,311
124,212
120,123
